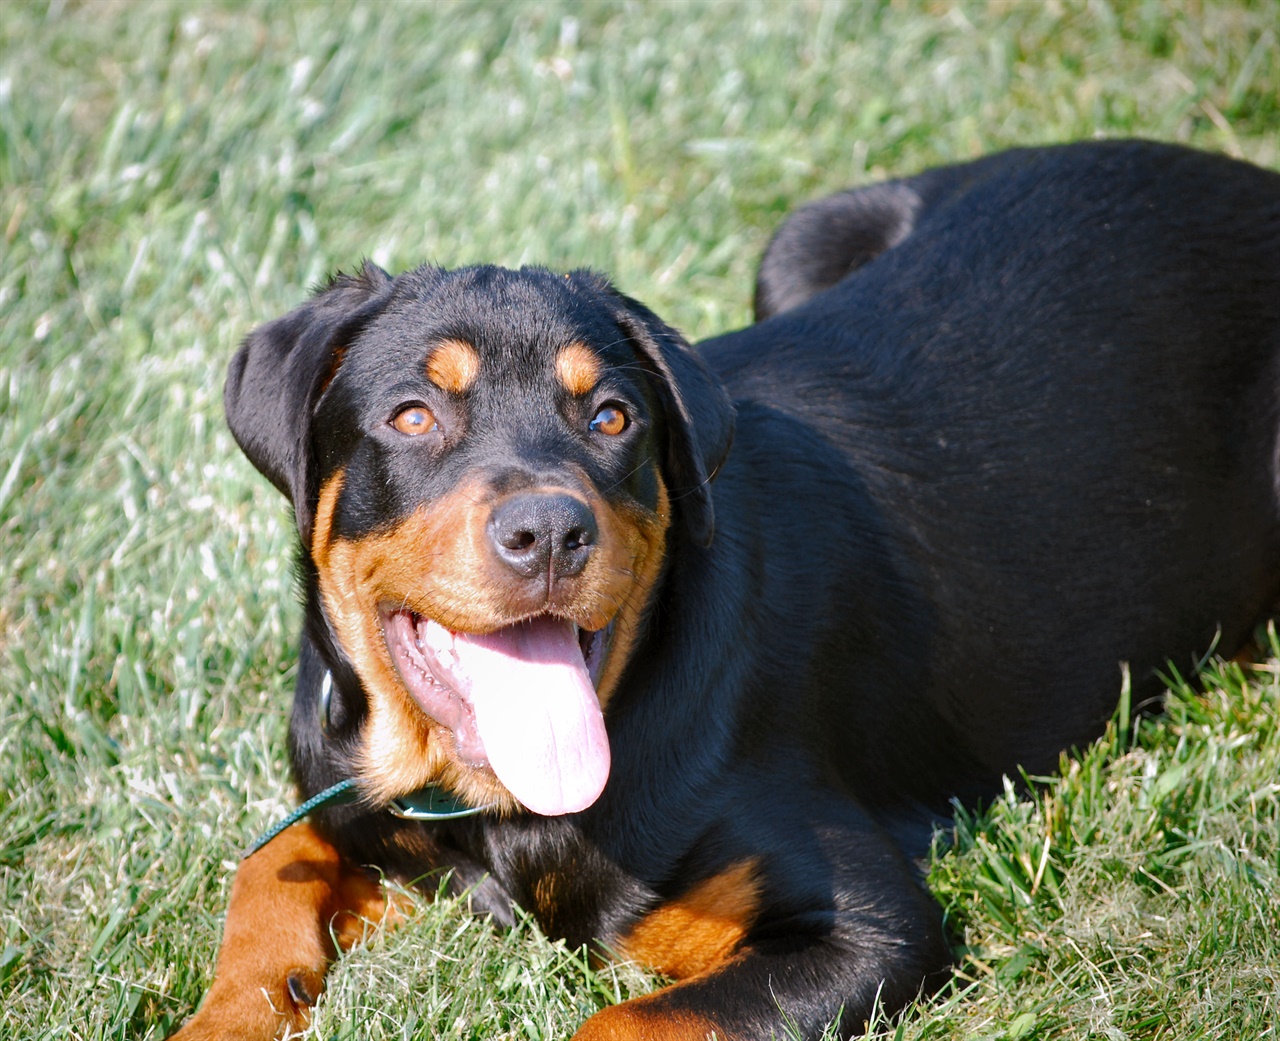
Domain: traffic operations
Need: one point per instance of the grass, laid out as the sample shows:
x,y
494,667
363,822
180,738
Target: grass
x,y
172,174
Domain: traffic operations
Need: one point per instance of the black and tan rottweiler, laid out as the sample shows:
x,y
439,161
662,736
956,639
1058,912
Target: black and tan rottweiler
x,y
692,647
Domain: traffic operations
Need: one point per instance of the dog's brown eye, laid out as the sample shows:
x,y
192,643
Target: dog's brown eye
x,y
414,420
609,420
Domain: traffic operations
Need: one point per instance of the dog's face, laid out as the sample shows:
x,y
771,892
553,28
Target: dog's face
x,y
483,464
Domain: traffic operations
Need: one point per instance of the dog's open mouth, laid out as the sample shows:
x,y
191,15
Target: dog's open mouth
x,y
520,700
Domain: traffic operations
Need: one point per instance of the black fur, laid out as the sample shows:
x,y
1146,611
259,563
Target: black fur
x,y
1032,435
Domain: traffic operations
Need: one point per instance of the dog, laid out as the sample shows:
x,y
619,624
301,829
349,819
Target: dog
x,y
691,649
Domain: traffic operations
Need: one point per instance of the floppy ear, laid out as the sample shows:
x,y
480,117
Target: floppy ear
x,y
698,411
281,369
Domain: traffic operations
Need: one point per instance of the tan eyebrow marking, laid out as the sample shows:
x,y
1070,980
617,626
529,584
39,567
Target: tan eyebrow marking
x,y
453,366
579,368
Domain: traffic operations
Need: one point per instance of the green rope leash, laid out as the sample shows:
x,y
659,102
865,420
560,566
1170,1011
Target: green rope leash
x,y
335,795
429,803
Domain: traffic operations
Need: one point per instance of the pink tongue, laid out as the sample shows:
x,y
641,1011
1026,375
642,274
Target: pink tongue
x,y
537,713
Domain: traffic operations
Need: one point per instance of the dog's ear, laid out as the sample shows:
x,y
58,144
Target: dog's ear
x,y
281,369
698,411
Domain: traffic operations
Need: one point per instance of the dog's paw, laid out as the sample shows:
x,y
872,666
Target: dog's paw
x,y
253,1010
643,1019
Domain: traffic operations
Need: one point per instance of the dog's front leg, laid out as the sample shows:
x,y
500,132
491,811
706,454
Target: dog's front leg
x,y
830,922
781,988
294,904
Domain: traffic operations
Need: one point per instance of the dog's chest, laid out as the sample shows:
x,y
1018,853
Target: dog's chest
x,y
549,868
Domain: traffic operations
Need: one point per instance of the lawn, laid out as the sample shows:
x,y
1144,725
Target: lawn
x,y
172,174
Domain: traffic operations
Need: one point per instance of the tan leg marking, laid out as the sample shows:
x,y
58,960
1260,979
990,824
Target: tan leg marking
x,y
687,938
290,901
701,929
642,1020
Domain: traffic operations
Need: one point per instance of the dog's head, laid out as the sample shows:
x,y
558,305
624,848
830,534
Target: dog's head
x,y
486,467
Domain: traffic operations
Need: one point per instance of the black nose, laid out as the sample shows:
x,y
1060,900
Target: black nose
x,y
534,534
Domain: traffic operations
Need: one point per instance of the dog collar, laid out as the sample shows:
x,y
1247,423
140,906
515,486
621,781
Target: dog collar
x,y
428,803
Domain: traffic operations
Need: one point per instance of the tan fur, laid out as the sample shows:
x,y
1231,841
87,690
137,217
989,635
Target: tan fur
x,y
453,366
578,368
651,546
644,1019
547,893
699,931
290,900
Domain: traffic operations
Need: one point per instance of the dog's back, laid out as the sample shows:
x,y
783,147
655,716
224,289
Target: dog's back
x,y
1050,405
